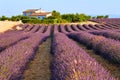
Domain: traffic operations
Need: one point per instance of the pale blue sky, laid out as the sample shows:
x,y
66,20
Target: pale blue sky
x,y
15,7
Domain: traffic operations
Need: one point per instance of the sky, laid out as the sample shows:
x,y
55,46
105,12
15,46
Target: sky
x,y
90,7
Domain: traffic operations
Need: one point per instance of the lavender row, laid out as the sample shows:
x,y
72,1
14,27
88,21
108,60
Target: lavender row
x,y
48,30
56,29
87,27
10,38
7,34
7,41
100,26
108,33
14,59
108,48
35,28
108,20
30,27
69,28
63,29
113,26
70,62
76,28
115,22
41,29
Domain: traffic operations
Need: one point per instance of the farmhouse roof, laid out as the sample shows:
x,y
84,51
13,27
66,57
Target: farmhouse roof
x,y
31,10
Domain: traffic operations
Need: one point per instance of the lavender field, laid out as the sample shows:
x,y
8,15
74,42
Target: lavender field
x,y
61,51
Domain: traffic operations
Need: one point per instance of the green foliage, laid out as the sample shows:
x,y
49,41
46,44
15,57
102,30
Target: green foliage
x,y
24,17
35,21
3,18
56,15
15,18
31,21
44,21
50,17
101,16
94,17
75,17
106,16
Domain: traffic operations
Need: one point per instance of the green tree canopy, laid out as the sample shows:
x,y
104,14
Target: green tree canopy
x,y
3,18
55,14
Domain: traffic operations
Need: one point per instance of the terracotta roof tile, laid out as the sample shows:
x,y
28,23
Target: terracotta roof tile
x,y
31,10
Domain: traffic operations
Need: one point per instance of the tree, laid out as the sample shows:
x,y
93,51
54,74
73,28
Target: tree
x,y
3,18
75,17
15,18
100,16
106,16
94,17
55,14
67,17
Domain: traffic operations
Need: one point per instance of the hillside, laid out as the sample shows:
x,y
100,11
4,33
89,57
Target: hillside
x,y
7,25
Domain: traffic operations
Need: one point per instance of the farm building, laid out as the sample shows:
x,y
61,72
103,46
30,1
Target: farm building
x,y
38,13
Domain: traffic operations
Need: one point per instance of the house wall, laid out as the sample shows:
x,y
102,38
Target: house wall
x,y
39,11
41,17
49,15
27,13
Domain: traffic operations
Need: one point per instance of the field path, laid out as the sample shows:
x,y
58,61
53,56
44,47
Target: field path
x,y
39,68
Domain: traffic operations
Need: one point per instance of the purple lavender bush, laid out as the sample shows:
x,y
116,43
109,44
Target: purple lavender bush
x,y
69,29
75,28
94,27
70,62
28,28
62,27
81,27
48,30
35,28
41,30
56,30
87,27
108,48
11,39
14,59
108,33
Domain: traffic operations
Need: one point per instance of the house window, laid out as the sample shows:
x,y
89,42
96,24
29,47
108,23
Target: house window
x,y
43,17
38,17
